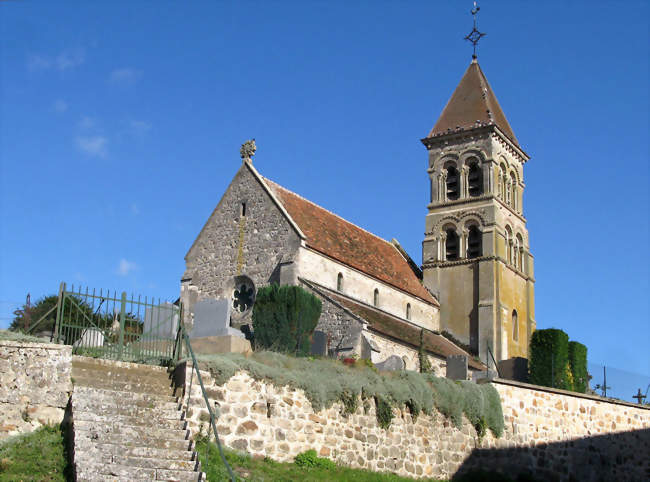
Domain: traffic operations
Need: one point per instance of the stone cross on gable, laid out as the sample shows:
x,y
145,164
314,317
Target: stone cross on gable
x,y
247,150
639,396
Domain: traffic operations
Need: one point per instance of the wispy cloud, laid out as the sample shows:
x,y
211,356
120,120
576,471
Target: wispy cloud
x,y
135,210
60,106
125,267
66,60
87,122
124,76
92,145
139,127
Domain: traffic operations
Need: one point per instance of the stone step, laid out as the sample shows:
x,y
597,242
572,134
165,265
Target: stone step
x,y
119,450
124,386
120,376
177,441
128,472
81,406
85,401
141,423
92,458
113,395
85,361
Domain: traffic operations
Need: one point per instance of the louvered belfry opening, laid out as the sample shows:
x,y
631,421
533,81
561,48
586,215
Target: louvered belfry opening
x,y
453,184
474,244
451,245
475,180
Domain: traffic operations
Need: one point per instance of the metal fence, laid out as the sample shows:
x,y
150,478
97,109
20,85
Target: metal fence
x,y
106,324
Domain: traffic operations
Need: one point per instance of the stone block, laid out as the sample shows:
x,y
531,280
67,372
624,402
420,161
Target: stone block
x,y
319,343
392,363
209,345
212,318
457,367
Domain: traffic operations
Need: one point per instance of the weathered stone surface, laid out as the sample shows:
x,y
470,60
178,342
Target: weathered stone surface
x,y
35,385
392,363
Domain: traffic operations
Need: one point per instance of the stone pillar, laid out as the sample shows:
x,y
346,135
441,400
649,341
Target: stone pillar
x,y
443,186
488,177
443,247
464,182
463,243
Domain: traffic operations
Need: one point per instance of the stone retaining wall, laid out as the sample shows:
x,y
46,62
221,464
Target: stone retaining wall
x,y
35,385
554,434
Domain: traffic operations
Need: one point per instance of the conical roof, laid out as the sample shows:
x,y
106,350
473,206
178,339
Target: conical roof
x,y
473,103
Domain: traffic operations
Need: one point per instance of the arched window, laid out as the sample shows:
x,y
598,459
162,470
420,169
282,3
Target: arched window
x,y
515,326
339,282
513,190
375,300
509,242
408,311
451,245
475,179
519,253
474,243
453,183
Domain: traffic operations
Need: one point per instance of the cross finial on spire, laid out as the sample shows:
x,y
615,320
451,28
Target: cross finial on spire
x,y
474,36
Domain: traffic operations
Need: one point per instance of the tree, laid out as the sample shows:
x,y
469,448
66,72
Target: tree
x,y
549,359
578,362
284,317
31,315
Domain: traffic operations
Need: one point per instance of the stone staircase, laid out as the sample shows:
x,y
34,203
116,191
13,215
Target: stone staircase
x,y
128,424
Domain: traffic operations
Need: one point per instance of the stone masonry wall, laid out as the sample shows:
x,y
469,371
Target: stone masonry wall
x,y
35,385
555,435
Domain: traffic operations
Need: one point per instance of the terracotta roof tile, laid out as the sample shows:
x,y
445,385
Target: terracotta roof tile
x,y
394,327
472,101
351,245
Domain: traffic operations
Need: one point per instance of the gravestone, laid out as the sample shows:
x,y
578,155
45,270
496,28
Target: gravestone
x,y
212,318
90,338
392,363
319,343
161,321
457,367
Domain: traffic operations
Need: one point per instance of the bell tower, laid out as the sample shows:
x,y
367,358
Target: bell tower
x,y
476,252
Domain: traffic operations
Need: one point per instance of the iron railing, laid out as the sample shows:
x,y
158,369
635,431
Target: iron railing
x,y
184,341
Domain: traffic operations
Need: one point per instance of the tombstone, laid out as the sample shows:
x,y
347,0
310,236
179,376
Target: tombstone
x,y
212,318
319,343
515,368
392,363
161,321
457,367
90,338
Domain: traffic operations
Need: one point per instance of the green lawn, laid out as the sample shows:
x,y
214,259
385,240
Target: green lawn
x,y
37,456
251,469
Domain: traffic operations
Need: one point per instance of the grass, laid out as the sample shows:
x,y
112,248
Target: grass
x,y
6,335
326,381
39,455
251,469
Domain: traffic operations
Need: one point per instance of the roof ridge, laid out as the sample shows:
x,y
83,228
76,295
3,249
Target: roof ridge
x,y
330,212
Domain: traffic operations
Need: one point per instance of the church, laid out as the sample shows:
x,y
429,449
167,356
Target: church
x,y
473,294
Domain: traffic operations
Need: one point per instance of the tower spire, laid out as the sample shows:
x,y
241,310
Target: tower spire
x,y
474,36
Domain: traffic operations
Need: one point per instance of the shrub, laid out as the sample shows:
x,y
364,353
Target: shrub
x,y
284,317
326,381
310,459
578,364
549,359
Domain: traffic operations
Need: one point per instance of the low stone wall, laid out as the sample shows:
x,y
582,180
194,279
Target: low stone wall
x,y
553,434
35,385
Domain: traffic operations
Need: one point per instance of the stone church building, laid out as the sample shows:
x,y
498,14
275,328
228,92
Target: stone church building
x,y
476,282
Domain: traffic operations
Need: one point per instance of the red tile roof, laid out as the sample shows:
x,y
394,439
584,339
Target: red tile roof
x,y
337,238
472,101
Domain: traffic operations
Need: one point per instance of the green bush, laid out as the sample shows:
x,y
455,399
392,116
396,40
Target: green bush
x,y
310,459
549,359
384,412
284,317
327,381
578,364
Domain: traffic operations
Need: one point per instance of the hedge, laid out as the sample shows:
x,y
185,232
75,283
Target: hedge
x,y
284,317
578,363
549,359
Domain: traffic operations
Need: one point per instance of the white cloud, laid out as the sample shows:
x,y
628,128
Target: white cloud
x,y
125,267
60,105
67,59
124,76
139,127
86,123
93,145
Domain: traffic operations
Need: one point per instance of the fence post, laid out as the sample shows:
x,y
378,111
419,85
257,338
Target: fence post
x,y
59,312
122,321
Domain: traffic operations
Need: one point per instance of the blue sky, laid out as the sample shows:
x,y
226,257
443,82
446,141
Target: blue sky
x,y
121,124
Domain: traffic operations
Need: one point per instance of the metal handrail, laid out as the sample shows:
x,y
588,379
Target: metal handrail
x,y
183,336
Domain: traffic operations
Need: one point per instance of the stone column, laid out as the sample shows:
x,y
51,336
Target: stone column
x,y
464,182
488,177
443,247
443,186
463,243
